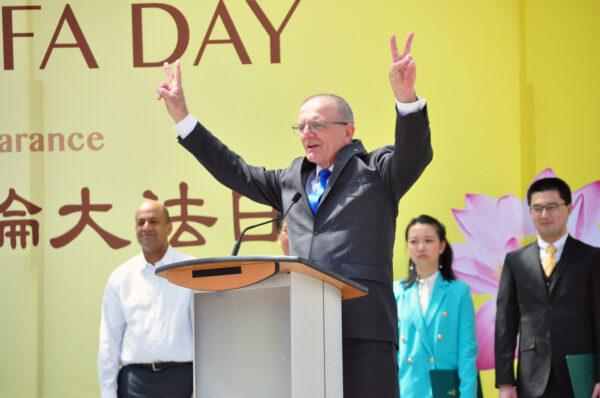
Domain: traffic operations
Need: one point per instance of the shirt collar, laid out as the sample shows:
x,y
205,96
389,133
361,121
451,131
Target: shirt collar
x,y
319,168
430,280
559,244
166,259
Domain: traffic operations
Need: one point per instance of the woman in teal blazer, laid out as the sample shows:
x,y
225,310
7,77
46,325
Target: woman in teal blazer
x,y
436,319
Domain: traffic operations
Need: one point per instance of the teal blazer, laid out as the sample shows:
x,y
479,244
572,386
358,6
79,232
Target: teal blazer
x,y
442,338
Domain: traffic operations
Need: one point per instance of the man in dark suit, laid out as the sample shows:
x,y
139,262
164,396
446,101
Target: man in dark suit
x,y
550,296
346,220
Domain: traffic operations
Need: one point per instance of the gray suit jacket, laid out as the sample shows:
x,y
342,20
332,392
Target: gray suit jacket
x,y
353,231
553,320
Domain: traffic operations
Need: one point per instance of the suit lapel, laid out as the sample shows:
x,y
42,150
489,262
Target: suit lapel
x,y
531,260
300,179
440,289
341,160
417,317
563,263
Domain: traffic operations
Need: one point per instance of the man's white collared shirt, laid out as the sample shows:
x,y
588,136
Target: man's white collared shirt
x,y
145,319
559,244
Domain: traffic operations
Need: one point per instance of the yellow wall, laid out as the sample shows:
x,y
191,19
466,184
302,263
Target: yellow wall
x,y
510,88
560,86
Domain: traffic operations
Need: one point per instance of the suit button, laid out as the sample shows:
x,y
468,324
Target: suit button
x,y
549,307
445,314
440,337
403,339
548,334
409,360
431,360
316,233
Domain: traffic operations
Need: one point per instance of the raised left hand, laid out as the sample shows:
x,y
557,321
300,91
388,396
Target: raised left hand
x,y
403,73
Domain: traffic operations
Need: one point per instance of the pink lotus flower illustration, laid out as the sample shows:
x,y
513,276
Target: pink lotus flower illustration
x,y
493,227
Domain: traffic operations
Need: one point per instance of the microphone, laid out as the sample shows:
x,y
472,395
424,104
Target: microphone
x,y
238,242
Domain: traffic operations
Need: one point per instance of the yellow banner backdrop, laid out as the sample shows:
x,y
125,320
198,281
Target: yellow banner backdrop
x,y
511,89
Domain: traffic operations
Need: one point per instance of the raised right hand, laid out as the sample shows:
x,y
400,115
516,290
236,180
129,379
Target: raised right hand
x,y
171,92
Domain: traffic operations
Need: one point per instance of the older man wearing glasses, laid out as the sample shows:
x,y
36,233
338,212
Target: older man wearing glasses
x,y
549,295
347,220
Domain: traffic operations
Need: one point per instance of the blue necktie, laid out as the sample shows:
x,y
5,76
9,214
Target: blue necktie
x,y
314,198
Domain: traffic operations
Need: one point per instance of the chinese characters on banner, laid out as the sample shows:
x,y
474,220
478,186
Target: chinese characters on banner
x,y
18,227
14,226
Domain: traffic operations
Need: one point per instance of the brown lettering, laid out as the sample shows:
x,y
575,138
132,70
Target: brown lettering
x,y
61,141
80,41
274,35
5,143
8,34
183,34
16,229
86,208
71,141
234,37
95,136
37,142
184,202
19,139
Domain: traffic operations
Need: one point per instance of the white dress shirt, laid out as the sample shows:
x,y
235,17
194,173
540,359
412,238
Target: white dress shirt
x,y
425,288
559,244
145,319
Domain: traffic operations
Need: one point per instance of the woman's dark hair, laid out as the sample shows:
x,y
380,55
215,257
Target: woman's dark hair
x,y
445,258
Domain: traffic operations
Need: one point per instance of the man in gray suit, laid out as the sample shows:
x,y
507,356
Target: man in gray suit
x,y
549,295
346,220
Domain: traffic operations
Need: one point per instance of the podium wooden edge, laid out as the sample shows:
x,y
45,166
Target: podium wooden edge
x,y
232,272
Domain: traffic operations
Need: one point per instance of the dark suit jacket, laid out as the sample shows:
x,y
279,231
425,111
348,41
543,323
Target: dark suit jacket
x,y
353,231
552,320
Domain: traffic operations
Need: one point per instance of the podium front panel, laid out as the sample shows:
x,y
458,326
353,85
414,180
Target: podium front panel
x,y
278,338
242,340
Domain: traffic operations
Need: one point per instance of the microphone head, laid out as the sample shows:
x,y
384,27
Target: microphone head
x,y
296,197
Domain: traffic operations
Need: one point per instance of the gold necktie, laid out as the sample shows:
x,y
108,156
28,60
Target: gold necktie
x,y
549,262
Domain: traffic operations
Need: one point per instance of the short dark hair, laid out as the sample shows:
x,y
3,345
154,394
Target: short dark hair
x,y
550,184
445,258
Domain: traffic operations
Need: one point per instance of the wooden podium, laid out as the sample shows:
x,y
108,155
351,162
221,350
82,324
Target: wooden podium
x,y
265,326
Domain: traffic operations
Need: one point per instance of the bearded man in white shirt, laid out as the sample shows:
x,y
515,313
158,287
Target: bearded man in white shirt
x,y
146,338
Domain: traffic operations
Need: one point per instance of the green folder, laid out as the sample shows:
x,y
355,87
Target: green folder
x,y
445,383
582,370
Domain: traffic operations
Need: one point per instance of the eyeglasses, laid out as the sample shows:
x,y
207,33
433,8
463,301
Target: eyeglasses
x,y
550,208
315,126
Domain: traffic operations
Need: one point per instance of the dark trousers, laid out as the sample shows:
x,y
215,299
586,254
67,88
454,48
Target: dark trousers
x,y
555,390
134,382
370,369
